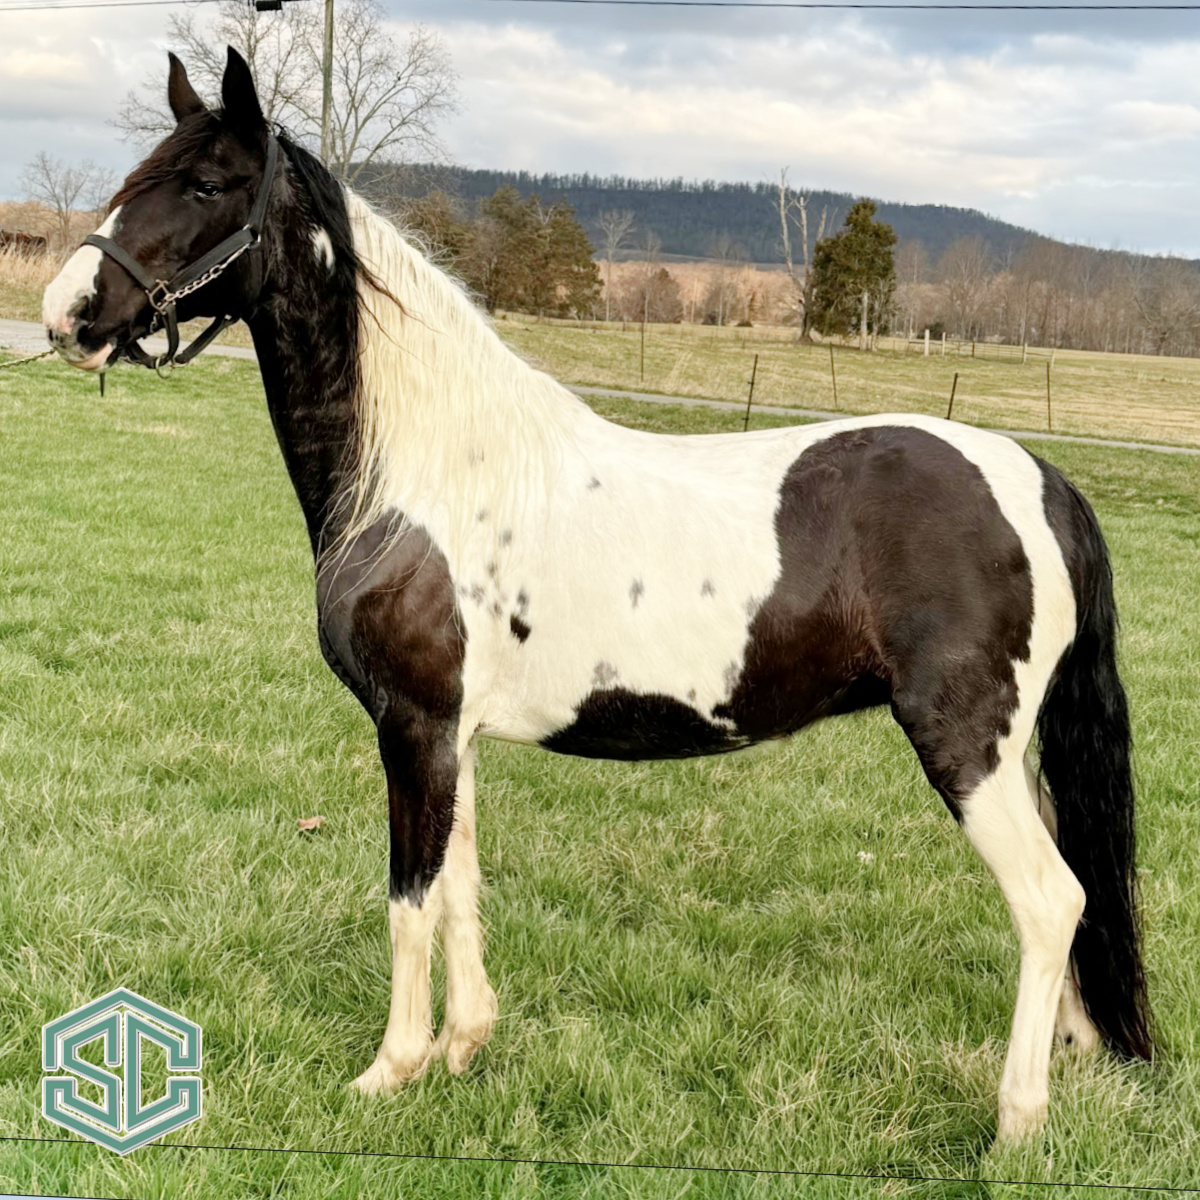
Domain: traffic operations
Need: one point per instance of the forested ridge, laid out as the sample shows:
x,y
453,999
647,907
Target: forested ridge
x,y
689,216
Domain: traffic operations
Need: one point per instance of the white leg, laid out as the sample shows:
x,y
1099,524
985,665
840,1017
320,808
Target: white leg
x,y
1073,1027
470,1002
408,1040
1046,902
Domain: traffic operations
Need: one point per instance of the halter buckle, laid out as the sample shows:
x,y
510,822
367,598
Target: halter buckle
x,y
160,295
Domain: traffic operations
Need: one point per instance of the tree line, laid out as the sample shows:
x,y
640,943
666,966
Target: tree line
x,y
1050,294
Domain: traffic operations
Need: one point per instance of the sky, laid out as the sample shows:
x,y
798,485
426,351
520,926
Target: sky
x,y
1082,126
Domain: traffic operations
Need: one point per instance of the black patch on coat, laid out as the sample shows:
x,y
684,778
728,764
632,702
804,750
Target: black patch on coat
x,y
707,589
614,722
637,589
593,484
518,628
392,632
901,581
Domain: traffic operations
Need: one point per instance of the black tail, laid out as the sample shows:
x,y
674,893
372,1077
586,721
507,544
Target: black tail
x,y
1083,730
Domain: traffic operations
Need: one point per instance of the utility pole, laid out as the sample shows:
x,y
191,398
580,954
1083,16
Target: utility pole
x,y
327,90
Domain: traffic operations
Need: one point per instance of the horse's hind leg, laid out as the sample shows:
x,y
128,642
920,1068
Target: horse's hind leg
x,y
1073,1026
470,1001
1000,818
1046,902
420,759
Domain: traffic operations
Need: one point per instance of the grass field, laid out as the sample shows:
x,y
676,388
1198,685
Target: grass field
x,y
1100,395
783,960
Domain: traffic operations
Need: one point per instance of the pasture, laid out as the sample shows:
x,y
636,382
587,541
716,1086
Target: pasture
x,y
1098,395
787,960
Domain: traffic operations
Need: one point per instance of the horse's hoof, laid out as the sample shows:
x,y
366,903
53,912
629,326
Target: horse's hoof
x,y
383,1077
1020,1123
458,1043
459,1047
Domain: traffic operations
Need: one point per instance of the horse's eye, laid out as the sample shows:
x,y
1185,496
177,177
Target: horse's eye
x,y
207,190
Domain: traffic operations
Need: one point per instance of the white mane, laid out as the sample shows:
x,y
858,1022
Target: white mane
x,y
446,411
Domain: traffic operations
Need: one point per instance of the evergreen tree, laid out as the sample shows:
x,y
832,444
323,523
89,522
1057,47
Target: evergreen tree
x,y
571,277
438,225
522,257
857,260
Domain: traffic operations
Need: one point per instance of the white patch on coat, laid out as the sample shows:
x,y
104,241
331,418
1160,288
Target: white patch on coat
x,y
323,244
75,282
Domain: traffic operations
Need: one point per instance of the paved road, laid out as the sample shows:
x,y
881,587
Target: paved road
x,y
27,337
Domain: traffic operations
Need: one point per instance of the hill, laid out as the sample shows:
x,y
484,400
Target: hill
x,y
690,216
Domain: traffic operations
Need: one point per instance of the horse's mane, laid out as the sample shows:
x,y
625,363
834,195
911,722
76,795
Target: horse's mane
x,y
444,406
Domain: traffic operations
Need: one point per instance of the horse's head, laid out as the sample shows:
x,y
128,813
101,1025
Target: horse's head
x,y
197,189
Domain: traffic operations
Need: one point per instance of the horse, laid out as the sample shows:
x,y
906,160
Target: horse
x,y
31,245
492,559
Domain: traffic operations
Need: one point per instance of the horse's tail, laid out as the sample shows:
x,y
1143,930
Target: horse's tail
x,y
1083,731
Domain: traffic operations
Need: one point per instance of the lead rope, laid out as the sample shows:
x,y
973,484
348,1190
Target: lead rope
x,y
20,362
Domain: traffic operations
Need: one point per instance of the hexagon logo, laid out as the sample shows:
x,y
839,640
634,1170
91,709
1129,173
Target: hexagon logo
x,y
119,1120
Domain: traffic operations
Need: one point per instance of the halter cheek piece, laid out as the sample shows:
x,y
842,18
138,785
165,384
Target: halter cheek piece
x,y
163,293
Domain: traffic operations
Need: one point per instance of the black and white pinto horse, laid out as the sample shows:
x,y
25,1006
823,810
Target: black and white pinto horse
x,y
493,559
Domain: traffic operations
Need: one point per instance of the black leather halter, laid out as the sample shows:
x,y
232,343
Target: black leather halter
x,y
163,293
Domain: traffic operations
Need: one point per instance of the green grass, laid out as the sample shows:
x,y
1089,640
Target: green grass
x,y
698,964
1100,395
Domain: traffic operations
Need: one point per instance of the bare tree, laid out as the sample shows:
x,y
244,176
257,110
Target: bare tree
x,y
723,290
388,96
793,214
274,44
64,188
1167,294
615,227
966,269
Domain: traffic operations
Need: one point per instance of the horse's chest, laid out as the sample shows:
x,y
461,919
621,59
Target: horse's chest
x,y
389,626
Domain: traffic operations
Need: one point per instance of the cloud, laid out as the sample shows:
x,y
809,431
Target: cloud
x,y
1044,133
1086,131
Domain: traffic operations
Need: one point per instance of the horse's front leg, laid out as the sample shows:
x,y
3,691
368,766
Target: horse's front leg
x,y
420,758
470,1001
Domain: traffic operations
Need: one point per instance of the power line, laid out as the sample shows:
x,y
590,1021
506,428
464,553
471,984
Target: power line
x,y
43,6
49,6
877,5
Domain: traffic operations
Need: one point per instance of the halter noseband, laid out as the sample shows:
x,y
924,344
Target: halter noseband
x,y
163,293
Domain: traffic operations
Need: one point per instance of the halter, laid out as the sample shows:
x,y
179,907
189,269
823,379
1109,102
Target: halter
x,y
163,293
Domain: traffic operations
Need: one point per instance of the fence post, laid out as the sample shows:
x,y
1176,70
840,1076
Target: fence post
x,y
927,343
750,397
953,388
833,374
1024,353
1048,427
943,344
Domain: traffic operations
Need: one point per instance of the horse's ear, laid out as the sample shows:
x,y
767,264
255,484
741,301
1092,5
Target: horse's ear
x,y
180,94
242,109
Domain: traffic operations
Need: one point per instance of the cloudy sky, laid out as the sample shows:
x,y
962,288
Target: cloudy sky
x,y
1084,126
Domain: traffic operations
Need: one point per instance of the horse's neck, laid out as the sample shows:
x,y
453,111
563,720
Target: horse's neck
x,y
312,412
306,338
415,408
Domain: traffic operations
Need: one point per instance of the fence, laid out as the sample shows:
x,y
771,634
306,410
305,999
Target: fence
x,y
995,351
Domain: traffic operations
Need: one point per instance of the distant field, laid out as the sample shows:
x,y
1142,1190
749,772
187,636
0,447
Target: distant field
x,y
787,960
1100,395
